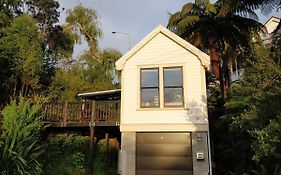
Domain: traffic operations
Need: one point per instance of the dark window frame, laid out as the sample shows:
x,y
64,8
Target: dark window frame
x,y
150,87
171,87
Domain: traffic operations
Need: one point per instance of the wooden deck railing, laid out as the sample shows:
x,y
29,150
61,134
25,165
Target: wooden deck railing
x,y
82,113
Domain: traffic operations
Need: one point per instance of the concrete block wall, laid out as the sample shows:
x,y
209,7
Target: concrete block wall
x,y
128,153
200,145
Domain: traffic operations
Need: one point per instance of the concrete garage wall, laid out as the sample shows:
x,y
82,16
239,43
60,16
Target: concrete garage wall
x,y
200,145
128,152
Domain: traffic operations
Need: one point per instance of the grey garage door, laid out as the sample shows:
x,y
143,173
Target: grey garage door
x,y
164,154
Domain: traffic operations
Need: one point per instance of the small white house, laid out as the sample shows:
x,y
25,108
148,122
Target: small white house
x,y
270,25
164,121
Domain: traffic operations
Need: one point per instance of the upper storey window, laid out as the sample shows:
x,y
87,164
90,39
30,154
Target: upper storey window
x,y
173,87
150,87
161,87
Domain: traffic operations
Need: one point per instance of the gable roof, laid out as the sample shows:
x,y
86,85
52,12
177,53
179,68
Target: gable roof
x,y
203,58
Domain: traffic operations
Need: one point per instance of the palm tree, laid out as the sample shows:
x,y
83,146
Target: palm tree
x,y
266,6
218,33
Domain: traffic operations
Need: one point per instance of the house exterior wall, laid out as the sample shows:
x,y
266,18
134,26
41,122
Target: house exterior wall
x,y
272,24
162,51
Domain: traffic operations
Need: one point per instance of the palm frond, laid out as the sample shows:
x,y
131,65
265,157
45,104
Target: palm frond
x,y
231,6
188,20
247,13
267,6
187,8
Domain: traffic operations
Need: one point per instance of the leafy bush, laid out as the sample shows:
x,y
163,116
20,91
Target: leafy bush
x,y
78,160
267,171
20,139
65,155
105,161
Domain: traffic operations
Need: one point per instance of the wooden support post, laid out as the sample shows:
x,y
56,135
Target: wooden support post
x,y
92,133
118,112
106,144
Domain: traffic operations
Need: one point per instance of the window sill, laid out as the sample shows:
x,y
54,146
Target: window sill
x,y
162,109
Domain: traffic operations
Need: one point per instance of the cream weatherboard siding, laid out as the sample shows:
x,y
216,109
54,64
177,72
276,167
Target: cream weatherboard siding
x,y
270,27
162,51
272,24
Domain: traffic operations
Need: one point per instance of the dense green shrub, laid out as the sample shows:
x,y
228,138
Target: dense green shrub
x,y
105,160
20,139
67,154
264,171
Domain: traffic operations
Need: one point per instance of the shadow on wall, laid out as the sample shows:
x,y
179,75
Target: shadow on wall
x,y
198,112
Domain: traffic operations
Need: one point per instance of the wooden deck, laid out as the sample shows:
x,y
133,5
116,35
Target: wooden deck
x,y
82,114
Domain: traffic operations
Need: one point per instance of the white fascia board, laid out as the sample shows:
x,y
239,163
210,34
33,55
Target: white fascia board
x,y
99,92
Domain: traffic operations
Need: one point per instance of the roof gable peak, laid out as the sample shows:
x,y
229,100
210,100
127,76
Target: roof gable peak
x,y
204,59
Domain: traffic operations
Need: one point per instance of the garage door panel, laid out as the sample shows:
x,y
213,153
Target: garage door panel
x,y
164,154
164,172
164,163
163,138
177,150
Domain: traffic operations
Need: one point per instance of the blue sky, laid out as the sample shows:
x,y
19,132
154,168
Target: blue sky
x,y
136,17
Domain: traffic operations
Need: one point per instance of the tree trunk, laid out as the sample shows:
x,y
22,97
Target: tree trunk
x,y
221,73
222,85
215,62
227,81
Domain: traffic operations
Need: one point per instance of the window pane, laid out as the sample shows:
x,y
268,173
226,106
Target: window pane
x,y
173,96
149,97
149,77
173,76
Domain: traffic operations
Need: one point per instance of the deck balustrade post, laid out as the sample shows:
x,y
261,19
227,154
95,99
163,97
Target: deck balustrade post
x,y
92,135
65,113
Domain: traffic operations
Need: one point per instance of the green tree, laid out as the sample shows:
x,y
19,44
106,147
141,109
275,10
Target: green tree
x,y
91,71
202,24
276,47
101,71
11,8
67,83
20,46
19,141
266,6
46,13
88,74
84,23
252,122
